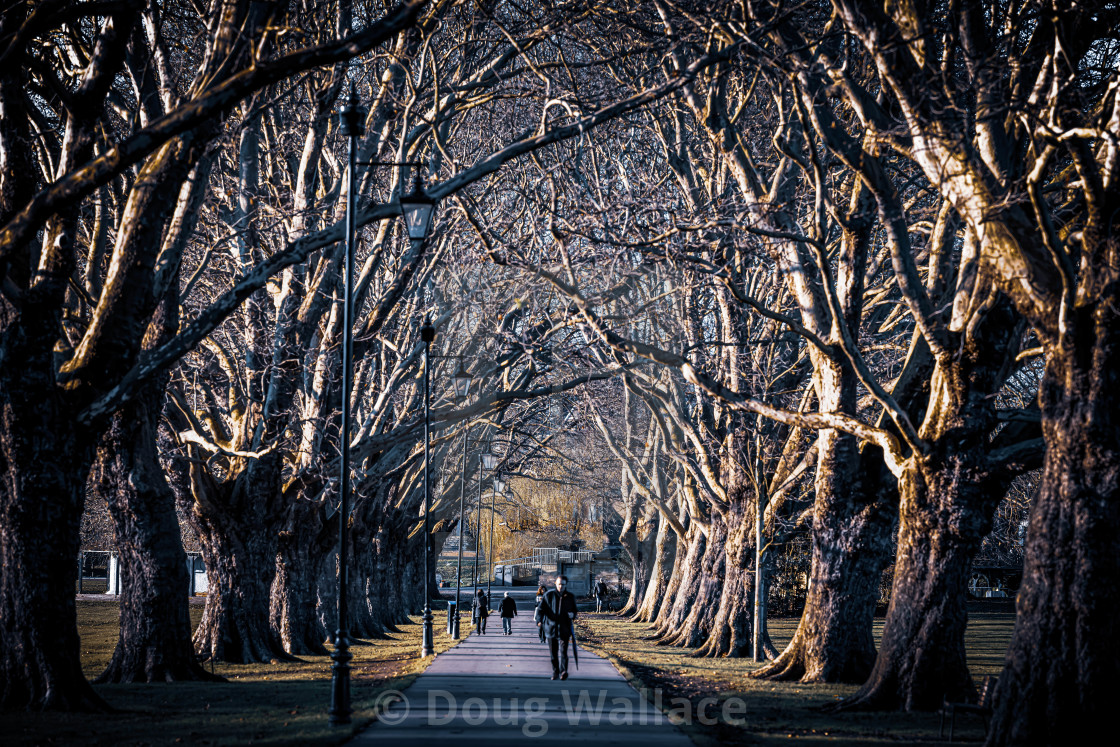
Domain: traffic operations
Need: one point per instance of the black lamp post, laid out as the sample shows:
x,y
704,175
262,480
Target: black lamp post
x,y
351,121
462,381
417,208
459,563
499,487
427,334
486,460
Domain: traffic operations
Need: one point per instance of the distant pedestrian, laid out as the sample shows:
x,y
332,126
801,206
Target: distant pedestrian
x,y
557,610
537,612
600,594
481,610
508,610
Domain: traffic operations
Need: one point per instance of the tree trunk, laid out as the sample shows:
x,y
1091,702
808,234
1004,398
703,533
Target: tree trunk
x,y
947,498
676,572
301,549
851,536
372,592
1064,657
731,629
239,547
397,581
628,538
944,514
664,560
686,575
639,545
704,605
154,644
326,600
44,461
386,590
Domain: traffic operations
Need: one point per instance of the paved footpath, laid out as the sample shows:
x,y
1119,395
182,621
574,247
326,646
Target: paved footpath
x,y
495,689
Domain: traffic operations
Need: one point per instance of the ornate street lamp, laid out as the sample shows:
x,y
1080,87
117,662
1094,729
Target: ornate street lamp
x,y
462,381
486,460
351,125
417,208
759,556
427,648
499,487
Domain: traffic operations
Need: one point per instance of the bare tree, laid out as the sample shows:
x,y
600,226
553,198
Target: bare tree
x,y
1010,111
64,374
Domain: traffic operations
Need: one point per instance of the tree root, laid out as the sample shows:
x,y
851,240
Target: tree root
x,y
873,696
191,671
789,666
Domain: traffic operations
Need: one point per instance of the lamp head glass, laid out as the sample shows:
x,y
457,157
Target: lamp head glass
x,y
418,207
462,381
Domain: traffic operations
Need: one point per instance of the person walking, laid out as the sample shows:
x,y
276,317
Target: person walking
x,y
600,594
481,610
557,611
537,612
508,610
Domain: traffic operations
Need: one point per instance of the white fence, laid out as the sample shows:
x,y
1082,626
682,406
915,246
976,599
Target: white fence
x,y
91,563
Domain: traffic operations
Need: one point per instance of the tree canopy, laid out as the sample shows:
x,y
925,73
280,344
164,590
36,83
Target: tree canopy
x,y
746,273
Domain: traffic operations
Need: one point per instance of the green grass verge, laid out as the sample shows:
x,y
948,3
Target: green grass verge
x,y
93,586
265,704
778,711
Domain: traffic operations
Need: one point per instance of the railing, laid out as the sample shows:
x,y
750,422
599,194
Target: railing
x,y
578,556
527,560
549,556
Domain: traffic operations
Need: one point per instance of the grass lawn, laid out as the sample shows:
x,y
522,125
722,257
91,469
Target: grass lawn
x,y
277,704
778,712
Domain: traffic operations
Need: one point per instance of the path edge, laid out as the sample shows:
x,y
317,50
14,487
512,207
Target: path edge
x,y
690,730
400,683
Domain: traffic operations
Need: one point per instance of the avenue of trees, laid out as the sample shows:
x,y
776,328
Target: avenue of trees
x,y
848,271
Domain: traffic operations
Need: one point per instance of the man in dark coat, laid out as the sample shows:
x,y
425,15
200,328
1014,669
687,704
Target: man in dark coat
x,y
508,610
481,610
557,610
600,594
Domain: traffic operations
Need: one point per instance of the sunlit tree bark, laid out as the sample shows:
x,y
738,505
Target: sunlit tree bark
x,y
68,352
991,168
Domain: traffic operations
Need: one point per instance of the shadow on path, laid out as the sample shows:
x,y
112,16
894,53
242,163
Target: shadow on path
x,y
496,688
